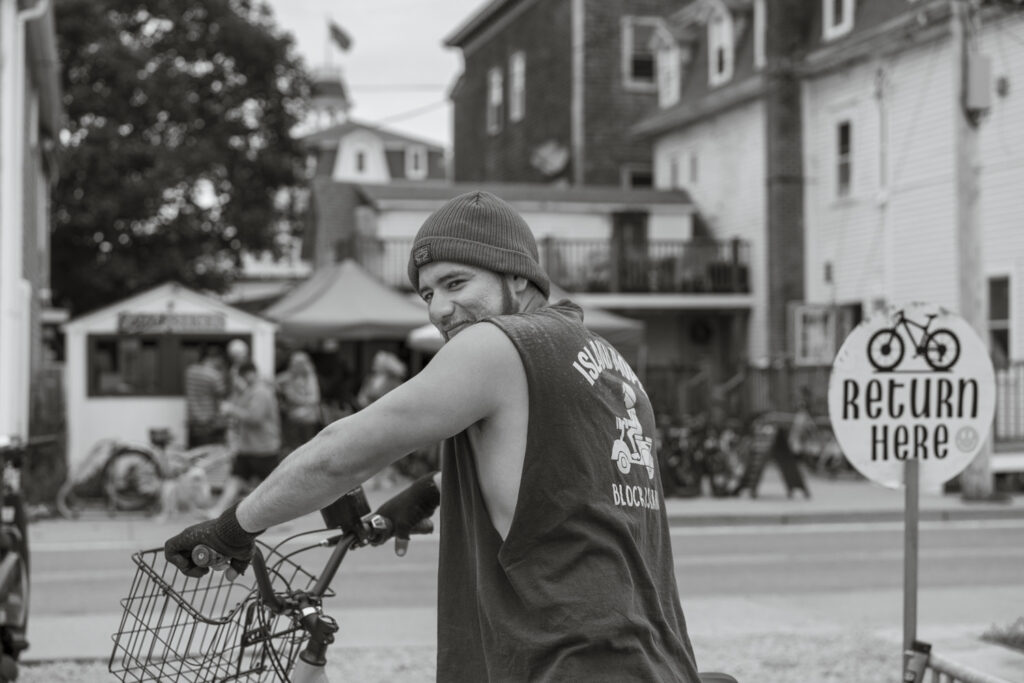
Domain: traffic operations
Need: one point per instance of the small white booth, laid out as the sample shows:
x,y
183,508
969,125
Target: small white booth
x,y
125,364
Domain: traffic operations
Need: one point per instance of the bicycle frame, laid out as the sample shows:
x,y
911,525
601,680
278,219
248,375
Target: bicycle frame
x,y
906,322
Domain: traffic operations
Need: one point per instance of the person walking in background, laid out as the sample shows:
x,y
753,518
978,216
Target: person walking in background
x,y
205,388
258,436
299,391
238,355
386,373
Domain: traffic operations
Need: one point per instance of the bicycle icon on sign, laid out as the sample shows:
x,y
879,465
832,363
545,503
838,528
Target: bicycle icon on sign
x,y
940,347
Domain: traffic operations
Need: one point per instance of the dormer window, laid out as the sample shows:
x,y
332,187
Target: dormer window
x,y
721,49
517,86
837,18
495,100
638,60
416,162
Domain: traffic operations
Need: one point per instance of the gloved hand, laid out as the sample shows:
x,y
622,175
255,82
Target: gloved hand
x,y
223,535
410,509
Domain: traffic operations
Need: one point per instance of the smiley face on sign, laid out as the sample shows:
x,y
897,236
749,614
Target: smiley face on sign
x,y
913,383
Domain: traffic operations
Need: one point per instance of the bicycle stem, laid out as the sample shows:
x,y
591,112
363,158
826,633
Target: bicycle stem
x,y
331,568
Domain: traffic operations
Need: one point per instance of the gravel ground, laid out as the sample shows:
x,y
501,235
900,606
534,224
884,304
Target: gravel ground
x,y
776,658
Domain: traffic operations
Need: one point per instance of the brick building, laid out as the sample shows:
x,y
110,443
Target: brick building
x,y
550,89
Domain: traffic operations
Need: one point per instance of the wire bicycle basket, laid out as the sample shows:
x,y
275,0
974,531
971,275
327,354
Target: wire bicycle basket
x,y
178,628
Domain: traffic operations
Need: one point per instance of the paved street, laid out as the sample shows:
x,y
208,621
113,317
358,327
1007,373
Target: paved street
x,y
731,579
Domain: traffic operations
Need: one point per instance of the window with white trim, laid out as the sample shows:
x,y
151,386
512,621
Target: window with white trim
x,y
415,162
517,86
638,60
819,329
694,167
637,176
844,158
721,48
999,320
837,18
360,161
674,179
495,100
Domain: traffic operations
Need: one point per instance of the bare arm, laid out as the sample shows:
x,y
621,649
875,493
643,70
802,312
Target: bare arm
x,y
461,386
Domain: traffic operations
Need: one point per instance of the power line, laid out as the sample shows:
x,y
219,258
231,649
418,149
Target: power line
x,y
413,112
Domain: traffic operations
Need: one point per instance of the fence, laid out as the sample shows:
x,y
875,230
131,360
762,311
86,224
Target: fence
x,y
942,670
595,265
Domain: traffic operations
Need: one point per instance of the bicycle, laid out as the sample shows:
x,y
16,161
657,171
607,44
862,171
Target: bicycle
x,y
940,347
127,477
220,628
15,588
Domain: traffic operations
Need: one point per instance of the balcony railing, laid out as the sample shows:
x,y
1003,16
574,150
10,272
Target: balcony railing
x,y
597,266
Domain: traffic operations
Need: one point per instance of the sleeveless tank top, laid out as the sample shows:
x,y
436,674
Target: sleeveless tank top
x,y
582,588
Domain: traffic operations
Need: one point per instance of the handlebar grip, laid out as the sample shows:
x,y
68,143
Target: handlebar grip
x,y
205,556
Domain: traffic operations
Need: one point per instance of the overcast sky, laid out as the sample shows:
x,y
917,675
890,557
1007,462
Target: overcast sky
x,y
397,69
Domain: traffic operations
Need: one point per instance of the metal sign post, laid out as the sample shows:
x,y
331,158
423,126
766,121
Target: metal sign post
x,y
910,545
911,399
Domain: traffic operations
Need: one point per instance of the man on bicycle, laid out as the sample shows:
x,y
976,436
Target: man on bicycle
x,y
555,564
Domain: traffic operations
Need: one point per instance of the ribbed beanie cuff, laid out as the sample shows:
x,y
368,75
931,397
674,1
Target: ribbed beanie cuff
x,y
479,229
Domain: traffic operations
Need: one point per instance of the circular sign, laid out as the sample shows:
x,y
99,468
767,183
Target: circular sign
x,y
912,383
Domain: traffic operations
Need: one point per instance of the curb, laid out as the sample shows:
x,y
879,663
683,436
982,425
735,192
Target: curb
x,y
838,517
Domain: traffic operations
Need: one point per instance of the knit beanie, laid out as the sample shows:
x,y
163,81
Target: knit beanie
x,y
478,229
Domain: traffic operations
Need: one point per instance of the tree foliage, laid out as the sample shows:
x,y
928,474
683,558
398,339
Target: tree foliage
x,y
177,155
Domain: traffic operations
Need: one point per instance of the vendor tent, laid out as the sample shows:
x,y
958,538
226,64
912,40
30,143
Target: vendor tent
x,y
344,302
625,334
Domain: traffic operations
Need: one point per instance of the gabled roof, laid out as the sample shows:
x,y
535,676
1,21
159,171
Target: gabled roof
x,y
329,137
166,291
483,16
697,98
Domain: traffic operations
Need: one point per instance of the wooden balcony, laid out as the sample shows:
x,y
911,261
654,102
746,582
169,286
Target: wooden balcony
x,y
598,266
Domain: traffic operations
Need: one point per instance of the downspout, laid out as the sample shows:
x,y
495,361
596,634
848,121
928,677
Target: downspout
x,y
577,109
13,339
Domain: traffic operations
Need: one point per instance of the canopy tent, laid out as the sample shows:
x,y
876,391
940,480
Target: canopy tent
x,y
625,334
344,302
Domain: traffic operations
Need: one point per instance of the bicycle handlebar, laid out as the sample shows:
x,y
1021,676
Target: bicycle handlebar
x,y
374,530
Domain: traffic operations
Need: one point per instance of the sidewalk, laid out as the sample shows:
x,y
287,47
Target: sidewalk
x,y
842,500
846,499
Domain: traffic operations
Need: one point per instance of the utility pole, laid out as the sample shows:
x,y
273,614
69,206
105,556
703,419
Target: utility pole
x,y
970,83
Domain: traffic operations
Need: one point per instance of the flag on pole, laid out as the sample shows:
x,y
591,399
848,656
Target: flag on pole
x,y
338,35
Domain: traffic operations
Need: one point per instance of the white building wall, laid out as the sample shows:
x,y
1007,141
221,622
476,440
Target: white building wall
x,y
129,418
1001,154
895,237
728,190
891,238
375,165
